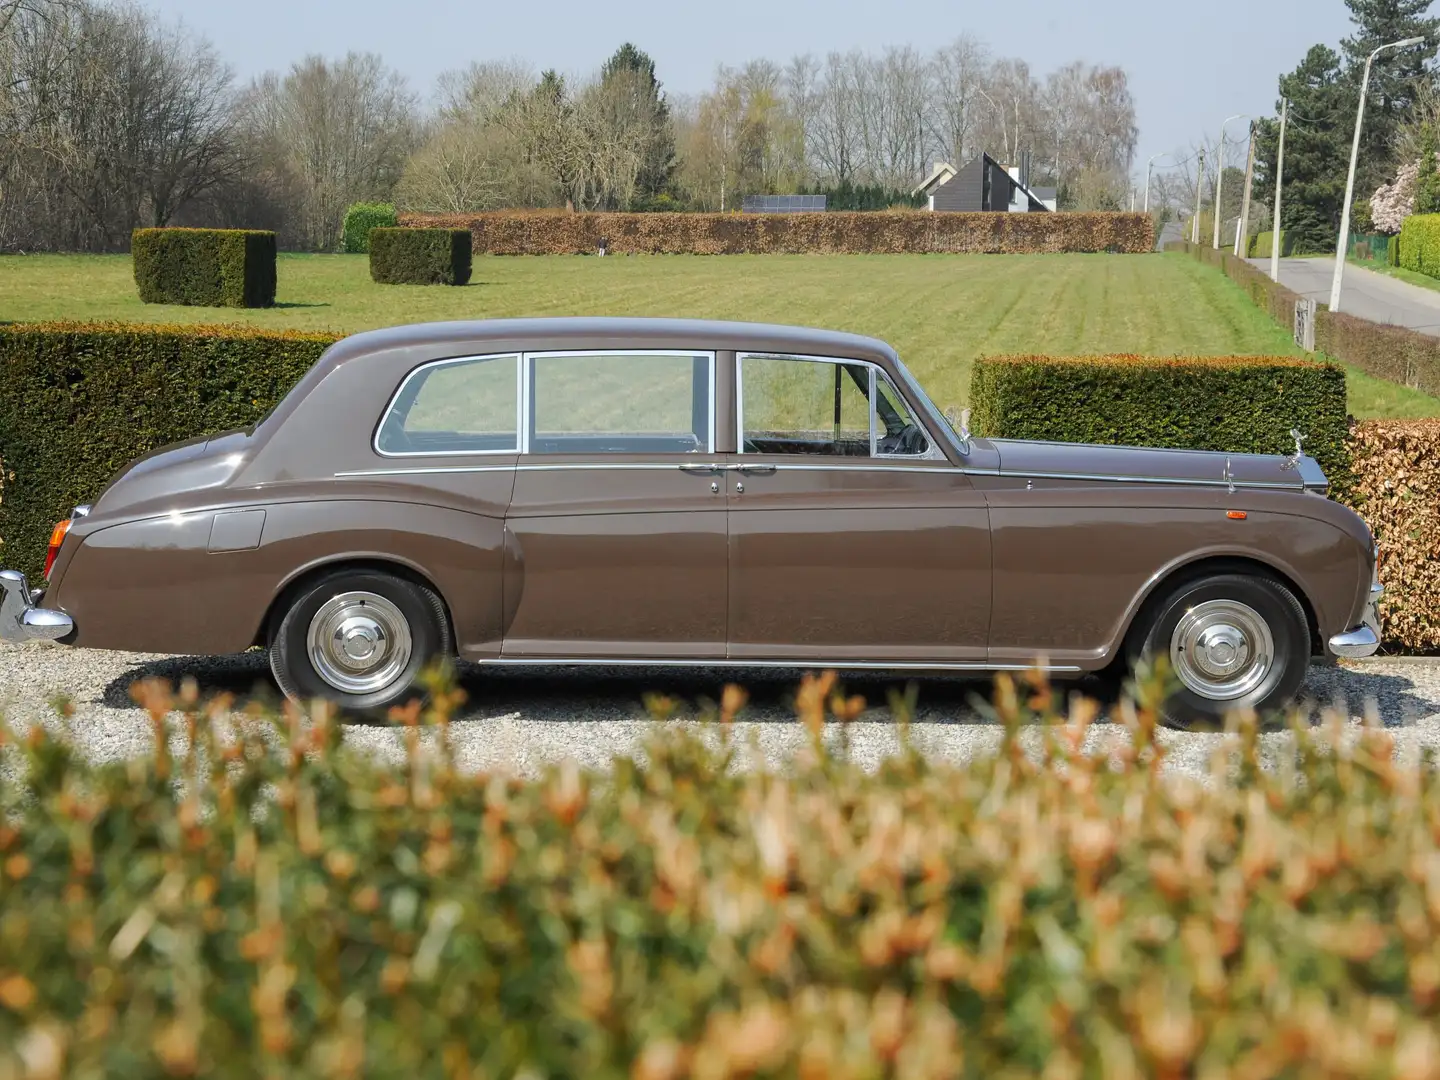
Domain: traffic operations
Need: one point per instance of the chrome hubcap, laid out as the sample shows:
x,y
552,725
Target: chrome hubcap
x,y
1222,649
359,642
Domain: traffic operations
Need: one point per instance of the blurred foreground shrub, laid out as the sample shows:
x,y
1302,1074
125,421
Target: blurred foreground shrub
x,y
270,902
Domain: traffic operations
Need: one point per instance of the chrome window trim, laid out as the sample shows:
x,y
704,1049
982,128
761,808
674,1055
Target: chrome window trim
x,y
448,361
932,452
527,367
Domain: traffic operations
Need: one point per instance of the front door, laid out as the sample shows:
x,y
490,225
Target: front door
x,y
852,538
616,532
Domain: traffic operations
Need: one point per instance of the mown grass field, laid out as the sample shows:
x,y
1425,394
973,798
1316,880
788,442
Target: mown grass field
x,y
939,311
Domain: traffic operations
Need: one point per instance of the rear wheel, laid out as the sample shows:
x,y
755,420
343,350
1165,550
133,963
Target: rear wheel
x,y
359,638
1233,641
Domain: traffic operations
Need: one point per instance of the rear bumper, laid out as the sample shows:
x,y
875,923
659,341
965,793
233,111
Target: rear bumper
x,y
1363,640
21,620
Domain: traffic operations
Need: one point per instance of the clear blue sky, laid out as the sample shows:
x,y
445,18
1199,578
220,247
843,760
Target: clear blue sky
x,y
1190,65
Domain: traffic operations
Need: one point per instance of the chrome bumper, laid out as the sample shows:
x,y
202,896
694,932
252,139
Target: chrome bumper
x,y
20,619
1364,639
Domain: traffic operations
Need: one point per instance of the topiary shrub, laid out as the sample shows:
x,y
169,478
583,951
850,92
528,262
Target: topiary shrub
x,y
1240,404
420,256
1392,253
360,219
204,267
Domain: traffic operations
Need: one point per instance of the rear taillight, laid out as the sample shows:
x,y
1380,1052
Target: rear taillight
x,y
57,537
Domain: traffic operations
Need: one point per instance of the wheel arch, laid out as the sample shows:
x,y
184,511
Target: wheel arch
x,y
1173,577
306,575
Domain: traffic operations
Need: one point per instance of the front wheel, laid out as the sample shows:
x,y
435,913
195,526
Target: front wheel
x,y
1234,642
359,638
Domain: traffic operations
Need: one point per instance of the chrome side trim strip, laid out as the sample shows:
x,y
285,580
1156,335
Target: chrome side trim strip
x,y
797,664
645,466
1121,479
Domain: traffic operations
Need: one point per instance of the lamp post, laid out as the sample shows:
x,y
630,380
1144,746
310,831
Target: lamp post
x,y
1148,165
1279,186
1220,172
1343,243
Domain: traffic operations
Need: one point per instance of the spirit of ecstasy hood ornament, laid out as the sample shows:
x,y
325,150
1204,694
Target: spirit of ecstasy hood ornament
x,y
1293,461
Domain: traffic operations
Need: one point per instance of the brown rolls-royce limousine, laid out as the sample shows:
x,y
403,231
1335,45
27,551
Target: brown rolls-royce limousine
x,y
631,491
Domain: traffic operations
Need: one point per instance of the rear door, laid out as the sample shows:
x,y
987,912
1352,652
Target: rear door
x,y
616,531
852,538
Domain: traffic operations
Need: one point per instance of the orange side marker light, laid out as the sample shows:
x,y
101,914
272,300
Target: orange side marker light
x,y
1235,515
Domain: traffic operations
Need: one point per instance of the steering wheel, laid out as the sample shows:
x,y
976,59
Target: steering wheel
x,y
908,440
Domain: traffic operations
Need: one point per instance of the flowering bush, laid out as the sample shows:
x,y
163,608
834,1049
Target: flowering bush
x,y
1393,203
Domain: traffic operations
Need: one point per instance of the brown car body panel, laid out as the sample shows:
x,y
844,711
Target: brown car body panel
x,y
993,554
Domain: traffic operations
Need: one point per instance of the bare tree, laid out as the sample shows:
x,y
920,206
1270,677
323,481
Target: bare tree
x,y
342,130
478,93
957,76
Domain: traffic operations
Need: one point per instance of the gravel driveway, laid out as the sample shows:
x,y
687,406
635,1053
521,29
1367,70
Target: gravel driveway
x,y
523,719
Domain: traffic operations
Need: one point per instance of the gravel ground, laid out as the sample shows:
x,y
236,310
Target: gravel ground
x,y
520,720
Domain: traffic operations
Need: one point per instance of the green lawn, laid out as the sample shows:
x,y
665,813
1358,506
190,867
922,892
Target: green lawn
x,y
939,311
1382,266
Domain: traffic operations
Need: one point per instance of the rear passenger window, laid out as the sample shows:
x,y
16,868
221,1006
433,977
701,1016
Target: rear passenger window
x,y
632,403
456,407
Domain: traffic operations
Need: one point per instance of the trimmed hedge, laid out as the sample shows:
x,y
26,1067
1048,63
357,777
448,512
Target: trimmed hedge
x,y
1420,244
270,899
1392,251
205,267
1400,355
1239,404
79,402
360,219
561,233
1261,243
420,256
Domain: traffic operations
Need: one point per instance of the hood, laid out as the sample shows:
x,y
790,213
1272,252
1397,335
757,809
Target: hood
x,y
1149,465
190,466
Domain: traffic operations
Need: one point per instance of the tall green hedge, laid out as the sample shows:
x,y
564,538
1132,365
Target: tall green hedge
x,y
205,267
360,219
1420,244
420,256
1261,243
79,402
1240,404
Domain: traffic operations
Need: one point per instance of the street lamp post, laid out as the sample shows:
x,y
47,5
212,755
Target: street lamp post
x,y
1279,186
1148,166
1343,243
1220,172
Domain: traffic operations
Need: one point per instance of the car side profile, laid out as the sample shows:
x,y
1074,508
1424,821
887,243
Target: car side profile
x,y
633,491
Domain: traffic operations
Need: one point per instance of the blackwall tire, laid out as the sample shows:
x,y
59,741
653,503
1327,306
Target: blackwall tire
x,y
1234,641
358,638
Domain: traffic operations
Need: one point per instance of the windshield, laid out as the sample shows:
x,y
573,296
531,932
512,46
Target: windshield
x,y
923,400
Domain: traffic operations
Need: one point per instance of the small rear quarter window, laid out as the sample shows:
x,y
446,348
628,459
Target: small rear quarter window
x,y
455,407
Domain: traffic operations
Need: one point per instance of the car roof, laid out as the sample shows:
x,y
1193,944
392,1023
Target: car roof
x,y
458,338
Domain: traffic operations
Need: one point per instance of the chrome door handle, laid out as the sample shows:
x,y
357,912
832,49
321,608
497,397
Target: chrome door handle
x,y
755,470
701,470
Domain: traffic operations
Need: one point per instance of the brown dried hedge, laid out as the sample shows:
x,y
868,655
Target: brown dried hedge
x,y
829,233
1396,465
1394,353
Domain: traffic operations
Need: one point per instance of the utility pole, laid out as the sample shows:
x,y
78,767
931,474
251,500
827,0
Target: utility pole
x,y
1199,185
1279,184
1220,173
1243,228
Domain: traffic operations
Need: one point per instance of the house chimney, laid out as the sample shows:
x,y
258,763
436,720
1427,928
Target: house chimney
x,y
1025,167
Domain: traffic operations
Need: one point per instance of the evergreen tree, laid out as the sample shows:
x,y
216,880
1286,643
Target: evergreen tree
x,y
1427,181
1317,150
1393,77
659,164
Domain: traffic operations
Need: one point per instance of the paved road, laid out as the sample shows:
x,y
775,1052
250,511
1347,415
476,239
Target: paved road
x,y
519,721
1366,294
